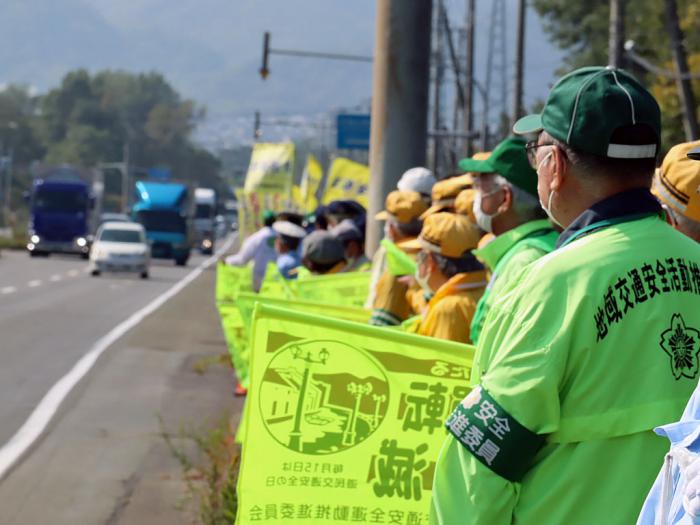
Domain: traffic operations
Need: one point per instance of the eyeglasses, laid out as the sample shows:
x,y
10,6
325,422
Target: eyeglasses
x,y
531,149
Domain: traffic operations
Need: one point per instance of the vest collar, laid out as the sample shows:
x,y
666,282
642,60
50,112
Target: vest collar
x,y
626,205
497,248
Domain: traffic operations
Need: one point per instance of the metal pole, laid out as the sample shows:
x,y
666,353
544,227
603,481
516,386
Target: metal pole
x,y
399,99
519,59
468,109
685,89
125,178
437,88
8,189
616,33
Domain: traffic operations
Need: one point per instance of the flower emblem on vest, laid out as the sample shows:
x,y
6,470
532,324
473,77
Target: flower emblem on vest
x,y
682,344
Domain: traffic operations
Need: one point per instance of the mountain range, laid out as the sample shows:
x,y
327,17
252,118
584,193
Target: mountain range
x,y
211,49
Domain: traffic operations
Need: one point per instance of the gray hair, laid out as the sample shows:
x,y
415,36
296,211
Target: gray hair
x,y
451,266
687,226
525,205
590,167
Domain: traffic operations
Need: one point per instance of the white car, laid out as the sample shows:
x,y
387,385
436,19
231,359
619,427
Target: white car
x,y
120,247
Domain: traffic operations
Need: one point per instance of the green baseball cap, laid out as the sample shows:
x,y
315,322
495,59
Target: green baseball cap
x,y
588,106
509,160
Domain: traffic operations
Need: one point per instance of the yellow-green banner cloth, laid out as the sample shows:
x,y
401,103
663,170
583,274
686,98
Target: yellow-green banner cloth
x,y
247,301
236,335
349,289
230,280
344,421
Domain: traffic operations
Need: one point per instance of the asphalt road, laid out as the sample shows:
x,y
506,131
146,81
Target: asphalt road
x,y
52,312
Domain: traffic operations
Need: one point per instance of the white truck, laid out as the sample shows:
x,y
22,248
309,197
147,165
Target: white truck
x,y
204,219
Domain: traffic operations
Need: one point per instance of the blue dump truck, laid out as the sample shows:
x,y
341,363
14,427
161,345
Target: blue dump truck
x,y
60,203
164,210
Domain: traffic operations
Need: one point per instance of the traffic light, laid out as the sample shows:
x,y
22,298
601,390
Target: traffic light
x,y
264,71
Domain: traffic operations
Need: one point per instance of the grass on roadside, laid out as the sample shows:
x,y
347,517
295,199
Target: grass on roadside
x,y
211,473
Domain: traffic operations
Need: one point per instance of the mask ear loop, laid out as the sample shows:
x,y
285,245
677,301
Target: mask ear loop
x,y
669,217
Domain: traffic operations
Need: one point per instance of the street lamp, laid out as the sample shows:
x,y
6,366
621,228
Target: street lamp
x,y
309,359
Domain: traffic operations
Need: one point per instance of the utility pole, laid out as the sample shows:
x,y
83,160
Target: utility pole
x,y
125,178
257,132
616,33
519,59
399,99
437,87
685,89
468,120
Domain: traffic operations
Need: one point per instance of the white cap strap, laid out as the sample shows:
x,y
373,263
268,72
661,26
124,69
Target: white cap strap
x,y
629,151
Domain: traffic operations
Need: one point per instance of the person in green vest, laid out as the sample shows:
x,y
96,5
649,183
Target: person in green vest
x,y
592,345
506,205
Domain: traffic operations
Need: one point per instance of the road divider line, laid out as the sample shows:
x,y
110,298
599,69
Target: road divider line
x,y
7,290
73,273
44,412
55,278
34,283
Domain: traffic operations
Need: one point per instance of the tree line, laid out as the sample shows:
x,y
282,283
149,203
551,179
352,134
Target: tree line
x,y
89,119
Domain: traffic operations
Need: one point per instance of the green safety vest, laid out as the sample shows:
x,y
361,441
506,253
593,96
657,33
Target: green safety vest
x,y
591,347
506,255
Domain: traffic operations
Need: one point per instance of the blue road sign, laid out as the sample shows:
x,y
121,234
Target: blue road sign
x,y
353,131
159,174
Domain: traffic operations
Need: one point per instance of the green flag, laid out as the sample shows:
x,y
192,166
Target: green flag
x,y
275,285
349,288
344,421
247,301
398,261
230,280
236,335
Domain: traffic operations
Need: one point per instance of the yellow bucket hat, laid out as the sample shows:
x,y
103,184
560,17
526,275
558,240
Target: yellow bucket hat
x,y
402,206
446,234
678,182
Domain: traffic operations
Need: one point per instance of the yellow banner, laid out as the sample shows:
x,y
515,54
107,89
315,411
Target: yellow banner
x,y
271,169
311,180
347,180
344,421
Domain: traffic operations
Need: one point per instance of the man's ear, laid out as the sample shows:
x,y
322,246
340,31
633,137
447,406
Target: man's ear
x,y
432,264
560,168
507,199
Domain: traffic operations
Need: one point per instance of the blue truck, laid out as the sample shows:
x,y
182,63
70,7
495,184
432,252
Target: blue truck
x,y
165,210
60,204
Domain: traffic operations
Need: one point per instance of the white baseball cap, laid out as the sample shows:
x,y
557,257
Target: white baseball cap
x,y
417,179
289,229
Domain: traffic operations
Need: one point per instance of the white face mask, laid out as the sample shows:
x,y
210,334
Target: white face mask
x,y
483,220
423,282
548,208
387,230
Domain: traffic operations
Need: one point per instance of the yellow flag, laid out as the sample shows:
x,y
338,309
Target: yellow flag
x,y
271,169
344,421
310,182
347,180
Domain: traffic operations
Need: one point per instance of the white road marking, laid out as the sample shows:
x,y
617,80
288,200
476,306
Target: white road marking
x,y
55,278
39,419
73,273
7,290
34,283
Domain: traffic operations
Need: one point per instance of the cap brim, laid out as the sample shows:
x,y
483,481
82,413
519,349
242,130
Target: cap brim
x,y
433,209
382,215
413,245
694,154
528,124
475,166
